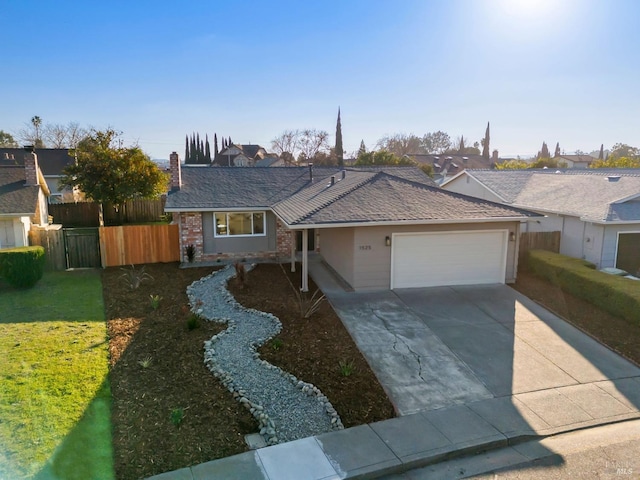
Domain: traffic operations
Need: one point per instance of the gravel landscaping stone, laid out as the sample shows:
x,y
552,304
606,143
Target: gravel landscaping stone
x,y
285,407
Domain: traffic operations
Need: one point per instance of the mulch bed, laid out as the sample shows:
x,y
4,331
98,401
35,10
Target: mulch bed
x,y
147,397
617,333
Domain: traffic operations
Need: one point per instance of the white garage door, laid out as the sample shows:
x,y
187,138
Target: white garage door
x,y
448,258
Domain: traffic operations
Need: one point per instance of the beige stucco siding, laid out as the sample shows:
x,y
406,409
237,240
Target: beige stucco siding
x,y
370,267
336,247
470,186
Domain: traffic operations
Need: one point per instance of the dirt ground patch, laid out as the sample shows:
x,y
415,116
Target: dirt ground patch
x,y
618,334
158,375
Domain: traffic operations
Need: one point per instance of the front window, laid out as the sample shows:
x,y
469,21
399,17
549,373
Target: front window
x,y
239,224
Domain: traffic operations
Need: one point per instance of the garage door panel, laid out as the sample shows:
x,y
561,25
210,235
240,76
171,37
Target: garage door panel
x,y
431,259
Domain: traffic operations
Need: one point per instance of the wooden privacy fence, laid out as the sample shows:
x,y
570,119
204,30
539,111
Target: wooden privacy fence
x,y
136,244
52,240
86,214
107,246
539,241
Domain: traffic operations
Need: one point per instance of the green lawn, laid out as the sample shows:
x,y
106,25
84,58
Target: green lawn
x,y
54,392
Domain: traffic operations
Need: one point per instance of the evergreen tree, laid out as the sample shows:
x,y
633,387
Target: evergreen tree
x,y
207,150
215,145
192,150
201,152
186,148
229,143
339,152
362,149
557,152
544,153
485,145
601,154
461,148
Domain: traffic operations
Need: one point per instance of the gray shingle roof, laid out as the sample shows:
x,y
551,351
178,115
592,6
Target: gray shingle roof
x,y
15,198
50,160
588,194
384,194
364,197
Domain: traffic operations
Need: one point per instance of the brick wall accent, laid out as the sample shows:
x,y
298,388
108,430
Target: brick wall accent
x,y
283,239
31,168
191,234
176,172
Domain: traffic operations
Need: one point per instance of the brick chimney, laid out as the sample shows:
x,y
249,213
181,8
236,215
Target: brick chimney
x,y
494,156
31,168
176,172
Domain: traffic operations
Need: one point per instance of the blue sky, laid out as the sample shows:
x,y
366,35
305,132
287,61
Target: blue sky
x,y
560,71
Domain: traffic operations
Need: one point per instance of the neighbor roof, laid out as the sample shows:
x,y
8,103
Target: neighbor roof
x,y
15,198
50,160
596,195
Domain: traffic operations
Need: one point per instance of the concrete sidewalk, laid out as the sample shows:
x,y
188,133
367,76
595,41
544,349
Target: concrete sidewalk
x,y
481,420
404,443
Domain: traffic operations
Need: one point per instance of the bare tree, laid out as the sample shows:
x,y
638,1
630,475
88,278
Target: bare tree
x,y
286,145
401,144
55,135
31,133
311,142
303,145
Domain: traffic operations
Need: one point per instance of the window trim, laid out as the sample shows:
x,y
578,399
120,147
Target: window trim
x,y
252,213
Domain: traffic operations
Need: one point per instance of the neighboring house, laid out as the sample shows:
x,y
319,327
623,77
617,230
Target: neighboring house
x,y
575,161
448,165
241,156
597,211
378,228
52,162
23,201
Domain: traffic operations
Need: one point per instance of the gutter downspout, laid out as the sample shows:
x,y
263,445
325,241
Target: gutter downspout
x,y
292,233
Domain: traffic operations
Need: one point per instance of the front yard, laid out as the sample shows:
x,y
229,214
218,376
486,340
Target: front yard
x,y
169,411
54,392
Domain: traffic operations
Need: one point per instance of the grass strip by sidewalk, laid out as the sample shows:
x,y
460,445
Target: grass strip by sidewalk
x,y
54,392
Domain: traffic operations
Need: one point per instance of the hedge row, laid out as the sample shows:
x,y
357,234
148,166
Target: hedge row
x,y
616,295
22,267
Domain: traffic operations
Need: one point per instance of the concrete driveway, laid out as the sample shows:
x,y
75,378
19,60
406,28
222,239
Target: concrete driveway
x,y
438,347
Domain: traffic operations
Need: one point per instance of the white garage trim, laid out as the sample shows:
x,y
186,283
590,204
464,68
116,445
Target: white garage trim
x,y
427,259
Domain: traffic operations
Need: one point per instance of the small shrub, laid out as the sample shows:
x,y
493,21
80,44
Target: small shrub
x,y
193,321
155,301
308,304
191,252
241,274
177,415
346,367
134,278
22,267
145,362
276,344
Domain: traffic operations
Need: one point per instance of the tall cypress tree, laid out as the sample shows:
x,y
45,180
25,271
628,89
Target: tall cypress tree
x,y
207,150
186,148
215,145
339,152
485,147
192,151
229,143
362,149
601,154
557,152
461,148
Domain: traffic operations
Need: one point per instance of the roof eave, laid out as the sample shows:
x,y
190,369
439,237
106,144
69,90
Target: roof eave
x,y
403,222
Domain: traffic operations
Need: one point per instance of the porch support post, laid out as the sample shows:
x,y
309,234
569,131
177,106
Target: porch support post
x,y
305,260
293,250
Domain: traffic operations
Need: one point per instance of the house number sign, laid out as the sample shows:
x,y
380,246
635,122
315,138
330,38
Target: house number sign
x,y
364,247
